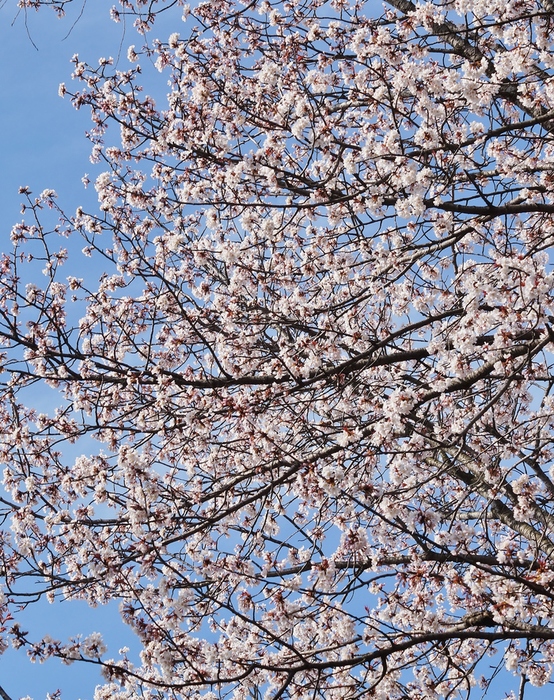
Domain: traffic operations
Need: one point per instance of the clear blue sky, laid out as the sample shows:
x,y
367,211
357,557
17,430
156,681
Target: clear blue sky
x,y
41,135
42,145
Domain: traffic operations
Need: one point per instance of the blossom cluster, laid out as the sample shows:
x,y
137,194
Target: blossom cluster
x,y
302,426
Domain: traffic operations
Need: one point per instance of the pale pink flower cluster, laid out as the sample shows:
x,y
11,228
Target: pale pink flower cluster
x,y
301,428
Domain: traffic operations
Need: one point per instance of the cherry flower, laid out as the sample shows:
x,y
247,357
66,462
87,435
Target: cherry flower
x,y
309,399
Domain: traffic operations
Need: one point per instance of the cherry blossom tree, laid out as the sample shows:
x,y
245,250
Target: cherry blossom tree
x,y
302,427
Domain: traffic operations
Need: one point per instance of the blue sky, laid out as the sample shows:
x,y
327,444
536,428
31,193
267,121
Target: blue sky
x,y
41,135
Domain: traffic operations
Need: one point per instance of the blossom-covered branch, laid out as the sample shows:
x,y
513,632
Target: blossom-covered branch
x,y
302,415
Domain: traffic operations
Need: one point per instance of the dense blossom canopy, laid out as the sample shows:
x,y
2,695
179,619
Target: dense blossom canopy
x,y
302,427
